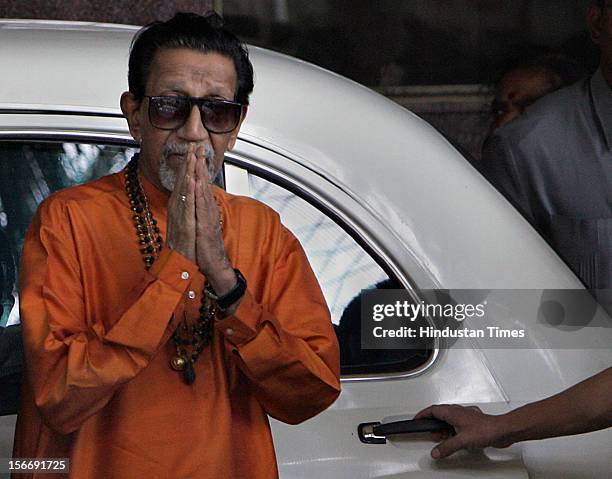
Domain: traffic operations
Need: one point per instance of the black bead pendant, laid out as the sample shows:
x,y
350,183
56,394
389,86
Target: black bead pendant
x,y
189,373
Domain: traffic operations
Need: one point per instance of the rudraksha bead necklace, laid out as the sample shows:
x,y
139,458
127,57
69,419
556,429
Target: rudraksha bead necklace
x,y
149,239
196,336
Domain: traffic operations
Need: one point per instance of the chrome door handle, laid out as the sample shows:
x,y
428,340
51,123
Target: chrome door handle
x,y
376,432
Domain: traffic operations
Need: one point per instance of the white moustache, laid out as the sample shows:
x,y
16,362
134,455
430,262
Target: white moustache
x,y
182,149
168,176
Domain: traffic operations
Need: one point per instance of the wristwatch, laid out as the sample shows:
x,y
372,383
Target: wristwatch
x,y
233,295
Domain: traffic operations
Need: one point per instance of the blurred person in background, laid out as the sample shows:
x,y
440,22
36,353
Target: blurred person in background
x,y
554,163
527,81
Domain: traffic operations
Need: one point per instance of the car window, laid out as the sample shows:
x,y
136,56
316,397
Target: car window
x,y
31,171
344,268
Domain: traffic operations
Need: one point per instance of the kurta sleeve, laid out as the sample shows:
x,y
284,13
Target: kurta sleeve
x,y
73,363
287,347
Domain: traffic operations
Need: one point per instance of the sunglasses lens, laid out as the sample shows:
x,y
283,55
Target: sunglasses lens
x,y
220,116
168,113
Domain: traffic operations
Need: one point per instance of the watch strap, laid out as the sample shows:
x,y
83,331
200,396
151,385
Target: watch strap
x,y
226,300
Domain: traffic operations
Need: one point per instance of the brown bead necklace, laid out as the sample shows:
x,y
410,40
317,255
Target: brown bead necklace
x,y
186,337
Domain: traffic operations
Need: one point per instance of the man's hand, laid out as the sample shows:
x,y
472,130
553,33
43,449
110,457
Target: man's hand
x,y
210,250
475,430
181,235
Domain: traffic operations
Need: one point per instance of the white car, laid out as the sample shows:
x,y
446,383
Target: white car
x,y
374,194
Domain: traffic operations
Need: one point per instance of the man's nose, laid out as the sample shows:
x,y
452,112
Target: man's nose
x,y
193,129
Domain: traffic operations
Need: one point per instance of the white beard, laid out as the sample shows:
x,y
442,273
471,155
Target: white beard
x,y
167,176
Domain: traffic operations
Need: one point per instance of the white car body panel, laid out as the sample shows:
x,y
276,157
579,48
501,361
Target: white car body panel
x,y
403,189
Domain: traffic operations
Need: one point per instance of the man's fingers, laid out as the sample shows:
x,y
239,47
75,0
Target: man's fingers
x,y
436,411
201,167
203,173
205,198
439,411
180,186
425,413
440,435
447,447
189,176
191,186
200,152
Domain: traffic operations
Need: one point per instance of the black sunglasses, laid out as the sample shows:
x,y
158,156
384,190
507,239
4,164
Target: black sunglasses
x,y
172,112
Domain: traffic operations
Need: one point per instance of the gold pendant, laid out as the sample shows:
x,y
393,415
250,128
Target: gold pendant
x,y
178,363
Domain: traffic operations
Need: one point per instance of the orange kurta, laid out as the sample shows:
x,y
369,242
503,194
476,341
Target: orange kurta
x,y
97,334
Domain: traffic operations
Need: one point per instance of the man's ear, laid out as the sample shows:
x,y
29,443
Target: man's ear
x,y
234,134
130,107
594,19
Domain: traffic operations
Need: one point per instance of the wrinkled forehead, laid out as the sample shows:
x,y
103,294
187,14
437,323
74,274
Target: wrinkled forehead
x,y
185,70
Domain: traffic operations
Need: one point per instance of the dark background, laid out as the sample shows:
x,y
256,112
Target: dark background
x,y
439,58
138,12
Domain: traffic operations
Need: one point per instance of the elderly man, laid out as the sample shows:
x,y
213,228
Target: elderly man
x,y
555,164
163,318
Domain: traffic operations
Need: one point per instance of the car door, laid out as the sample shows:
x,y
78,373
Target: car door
x,y
350,250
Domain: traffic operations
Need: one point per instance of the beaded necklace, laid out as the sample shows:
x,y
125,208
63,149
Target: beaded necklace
x,y
195,337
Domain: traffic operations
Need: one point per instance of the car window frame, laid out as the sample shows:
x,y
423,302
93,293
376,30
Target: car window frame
x,y
293,184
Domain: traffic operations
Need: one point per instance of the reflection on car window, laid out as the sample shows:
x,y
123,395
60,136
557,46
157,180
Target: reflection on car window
x,y
343,269
31,171
329,249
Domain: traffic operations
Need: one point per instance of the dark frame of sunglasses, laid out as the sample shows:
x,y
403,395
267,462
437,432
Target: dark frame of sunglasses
x,y
190,101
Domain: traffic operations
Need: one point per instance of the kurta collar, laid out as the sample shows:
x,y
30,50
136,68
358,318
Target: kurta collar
x,y
601,94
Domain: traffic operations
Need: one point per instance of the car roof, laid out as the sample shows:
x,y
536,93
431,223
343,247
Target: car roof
x,y
64,65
